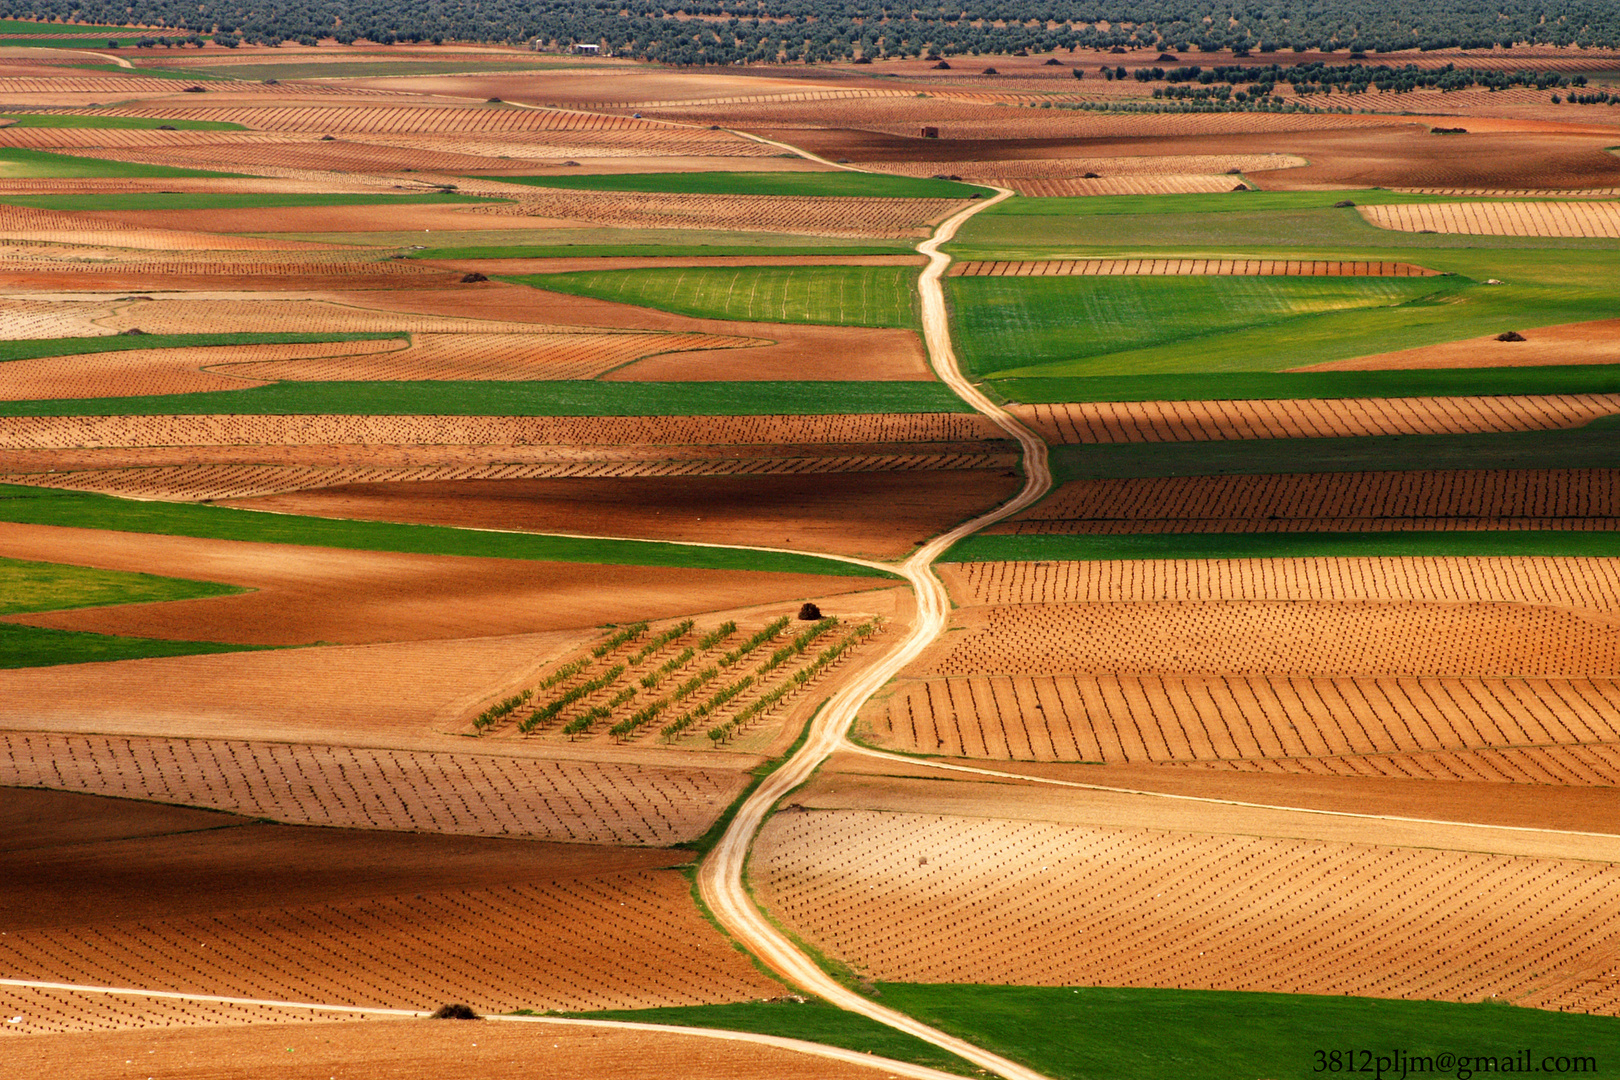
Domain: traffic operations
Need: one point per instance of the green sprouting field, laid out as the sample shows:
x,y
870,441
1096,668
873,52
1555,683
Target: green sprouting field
x,y
835,295
27,586
578,397
839,183
17,162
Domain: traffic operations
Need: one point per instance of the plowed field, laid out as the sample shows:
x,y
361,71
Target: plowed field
x,y
170,371
1179,267
1282,638
803,215
1470,729
1579,499
51,319
1579,583
20,223
1500,218
1307,418
1596,342
467,794
972,900
1020,170
66,432
1167,184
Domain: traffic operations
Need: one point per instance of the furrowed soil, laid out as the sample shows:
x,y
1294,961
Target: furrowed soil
x,y
303,595
879,515
1573,343
358,918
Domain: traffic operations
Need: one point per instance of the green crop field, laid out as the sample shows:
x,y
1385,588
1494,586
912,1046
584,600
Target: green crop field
x,y
37,586
62,120
1595,446
34,348
199,200
491,398
835,295
1009,327
841,184
49,506
1106,1033
16,162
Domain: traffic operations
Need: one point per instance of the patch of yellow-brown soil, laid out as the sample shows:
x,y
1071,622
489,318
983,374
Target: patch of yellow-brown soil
x,y
1572,343
1183,267
1591,219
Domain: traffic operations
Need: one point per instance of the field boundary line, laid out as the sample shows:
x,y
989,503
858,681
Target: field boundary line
x,y
855,1057
856,748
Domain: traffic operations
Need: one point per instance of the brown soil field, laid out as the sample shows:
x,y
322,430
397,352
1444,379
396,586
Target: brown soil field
x,y
414,1050
1167,184
1074,168
1501,218
493,793
634,262
1306,418
1595,342
44,318
360,918
59,227
170,371
1578,499
783,351
1342,726
197,480
1224,267
975,900
878,514
306,594
1578,583
68,432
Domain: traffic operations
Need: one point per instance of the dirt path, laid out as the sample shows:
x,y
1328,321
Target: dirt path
x,y
720,875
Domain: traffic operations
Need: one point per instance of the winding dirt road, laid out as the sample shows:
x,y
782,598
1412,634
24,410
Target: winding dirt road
x,y
720,877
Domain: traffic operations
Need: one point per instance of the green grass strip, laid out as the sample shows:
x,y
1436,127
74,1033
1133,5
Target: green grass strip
x,y
828,295
74,120
34,646
189,200
18,162
814,1021
34,348
1595,446
1266,385
1108,1033
43,586
840,184
46,506
1046,548
486,398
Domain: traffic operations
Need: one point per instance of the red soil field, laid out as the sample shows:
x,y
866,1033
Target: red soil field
x,y
359,918
974,900
649,798
880,515
1167,184
1287,638
1578,499
1599,219
1572,343
410,1049
1579,583
307,594
1178,267
1190,421
58,227
1075,168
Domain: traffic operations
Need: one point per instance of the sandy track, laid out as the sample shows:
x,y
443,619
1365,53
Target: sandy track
x,y
1282,638
1307,418
1576,499
1563,731
973,900
1184,267
308,594
465,794
67,432
1580,583
1500,218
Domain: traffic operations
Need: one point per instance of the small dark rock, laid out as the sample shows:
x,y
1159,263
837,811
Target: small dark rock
x,y
1511,335
194,90
1052,61
1165,57
1092,176
328,138
493,101
991,71
1342,203
166,127
473,278
133,331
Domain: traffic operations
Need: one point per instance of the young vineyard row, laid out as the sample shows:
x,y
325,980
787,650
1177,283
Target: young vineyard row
x,y
693,680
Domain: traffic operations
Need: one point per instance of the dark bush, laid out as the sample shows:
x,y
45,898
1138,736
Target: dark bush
x,y
454,1012
809,612
473,278
1511,335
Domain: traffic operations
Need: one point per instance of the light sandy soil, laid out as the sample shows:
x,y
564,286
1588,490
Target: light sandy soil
x,y
629,262
417,1050
1195,421
374,918
970,899
879,515
1572,343
447,785
1588,219
304,594
1179,267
